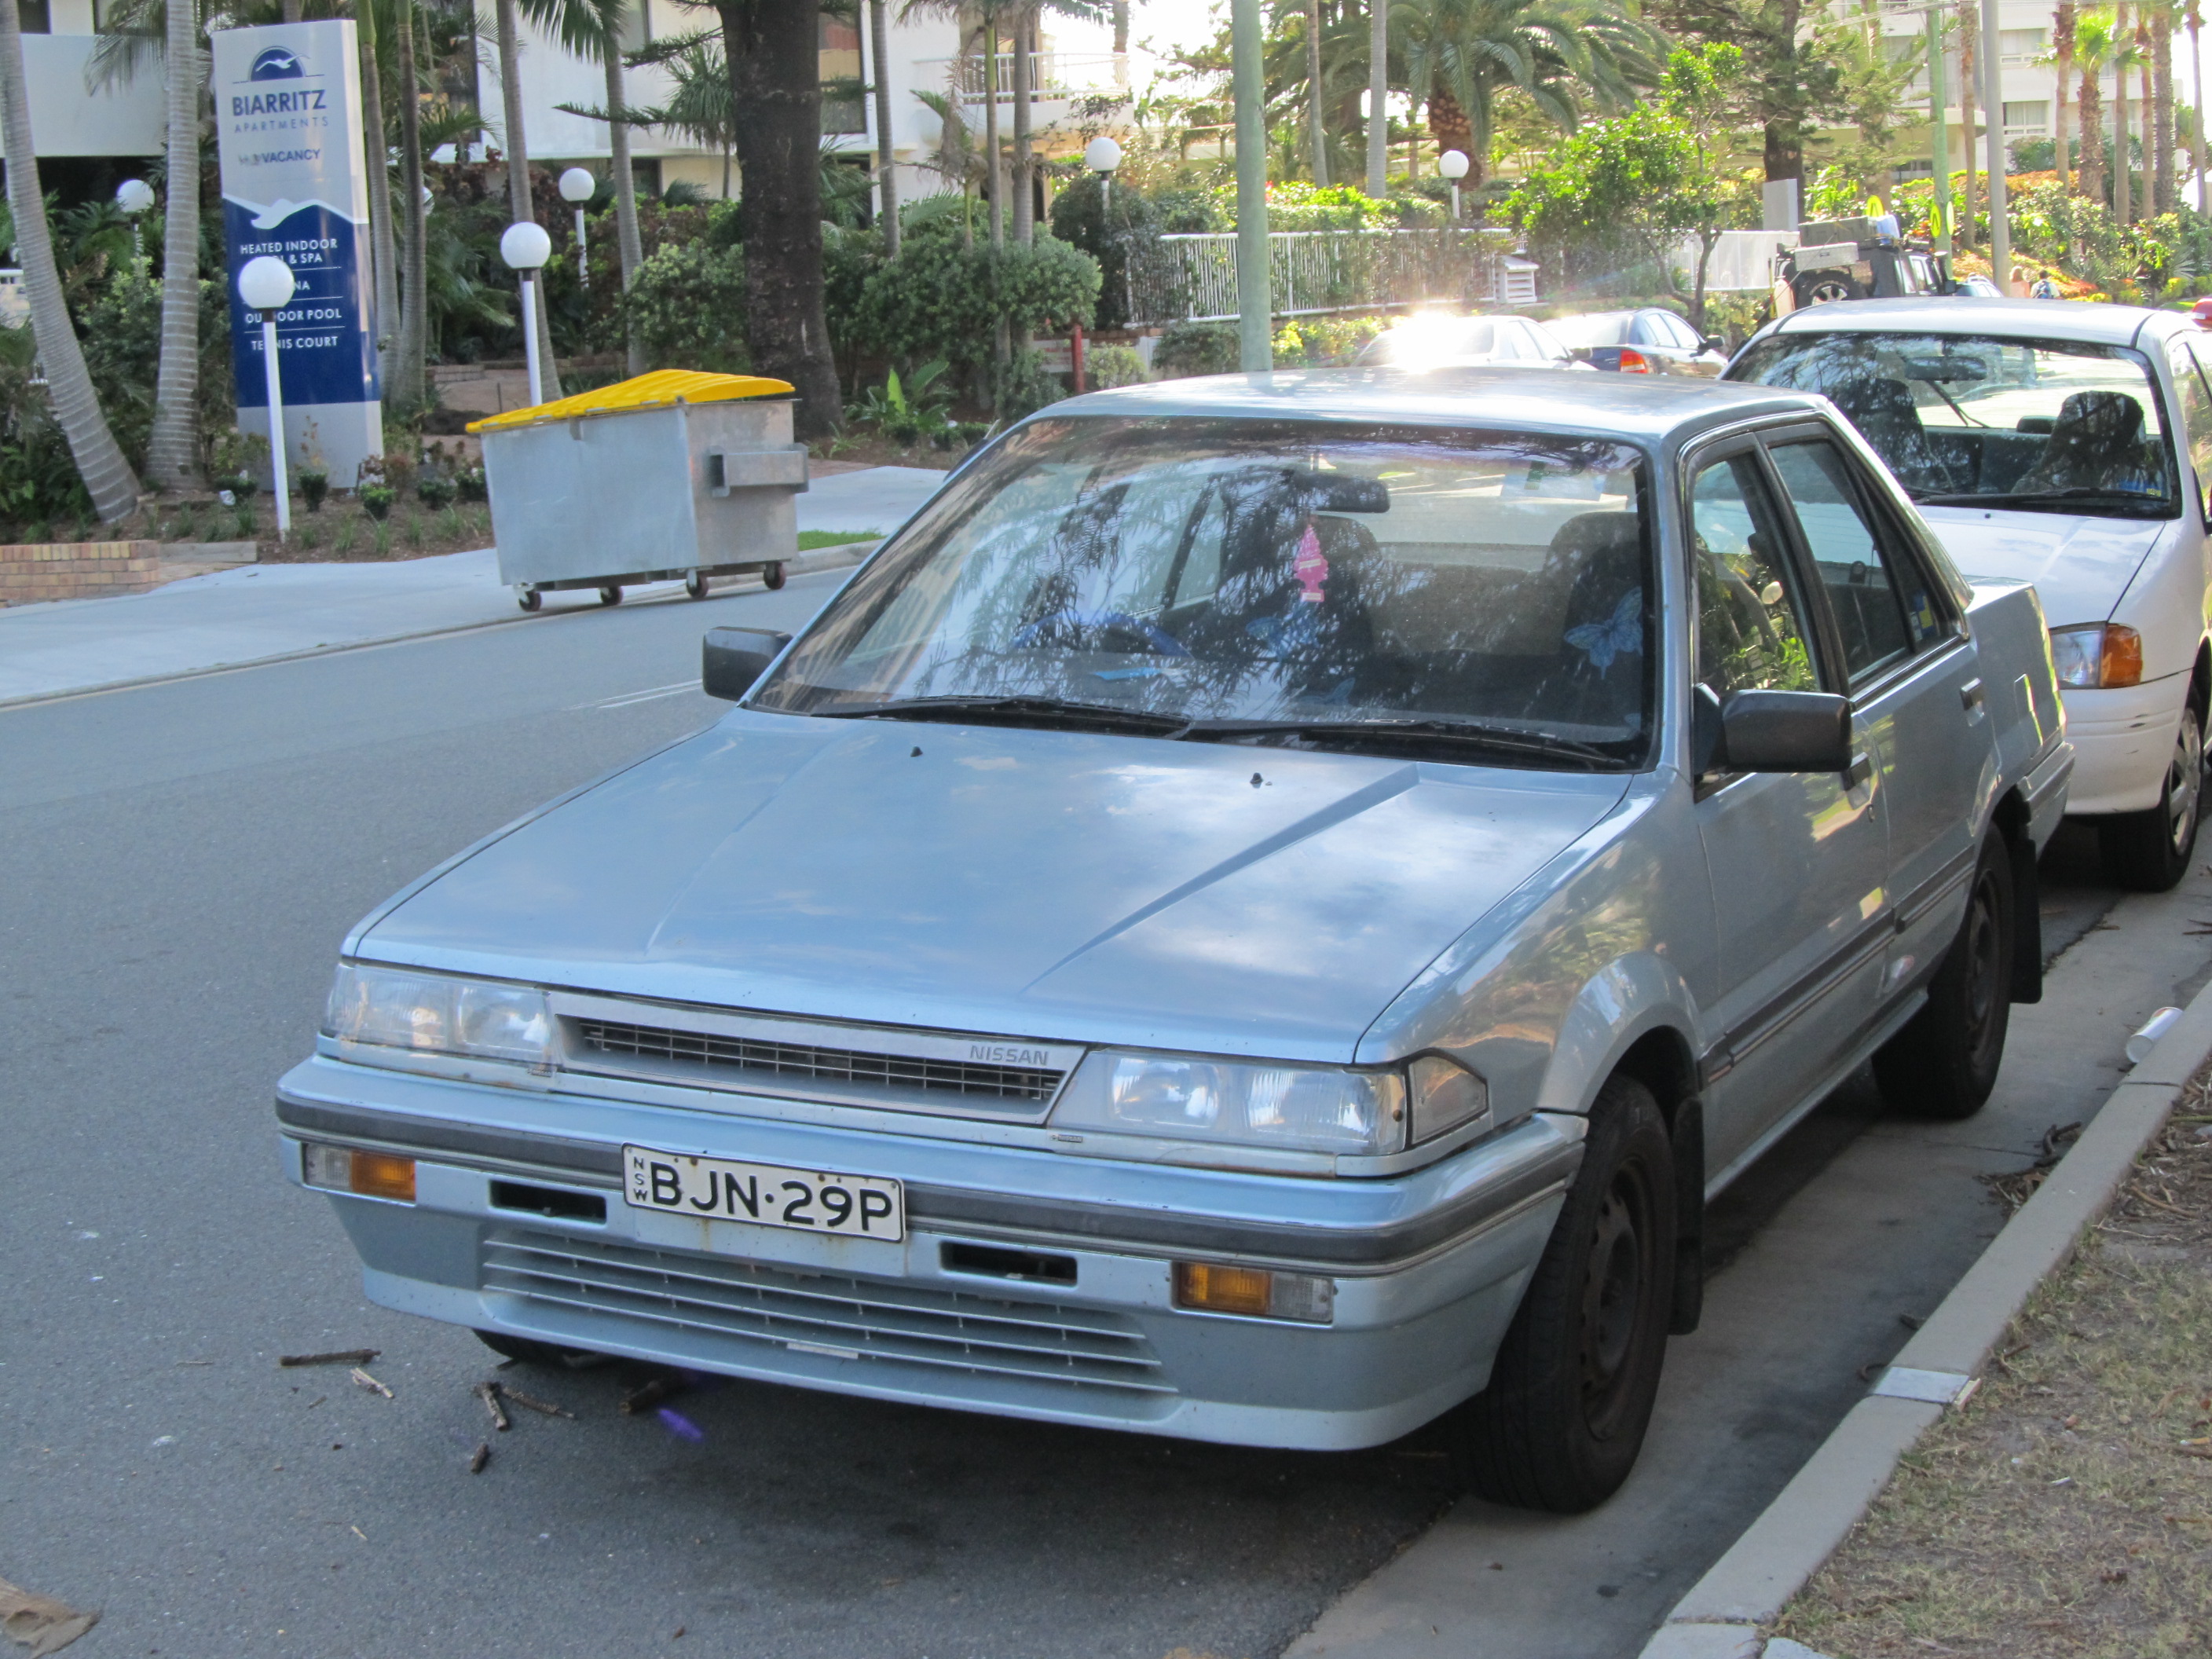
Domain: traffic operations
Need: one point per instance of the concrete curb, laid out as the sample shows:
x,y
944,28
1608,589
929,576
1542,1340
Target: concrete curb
x,y
808,563
1722,1615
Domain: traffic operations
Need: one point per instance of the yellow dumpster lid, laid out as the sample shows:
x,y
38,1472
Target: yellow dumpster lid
x,y
661,387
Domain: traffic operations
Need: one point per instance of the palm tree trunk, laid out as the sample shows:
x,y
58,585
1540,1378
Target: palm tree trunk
x,y
2093,135
2161,21
289,11
629,246
1025,204
107,477
1316,138
173,448
518,181
886,173
403,391
1378,97
383,255
2124,165
1968,27
996,162
2062,30
2197,115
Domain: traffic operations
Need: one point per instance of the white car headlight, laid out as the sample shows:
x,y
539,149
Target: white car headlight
x,y
1314,1109
430,1013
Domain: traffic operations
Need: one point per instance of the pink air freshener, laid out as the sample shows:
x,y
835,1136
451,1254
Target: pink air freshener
x,y
1309,568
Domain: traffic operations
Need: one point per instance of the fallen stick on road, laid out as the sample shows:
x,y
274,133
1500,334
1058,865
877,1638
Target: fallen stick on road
x,y
361,1379
526,1401
489,1392
342,1357
479,1457
648,1395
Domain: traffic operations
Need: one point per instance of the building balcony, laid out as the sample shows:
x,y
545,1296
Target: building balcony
x,y
1055,77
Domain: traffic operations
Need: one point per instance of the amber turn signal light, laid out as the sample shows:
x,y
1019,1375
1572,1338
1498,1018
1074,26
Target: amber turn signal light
x,y
1215,1287
349,1170
2122,663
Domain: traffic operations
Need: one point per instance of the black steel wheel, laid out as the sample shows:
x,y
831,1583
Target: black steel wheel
x,y
529,599
696,584
1571,1389
2149,852
772,576
610,595
1944,1063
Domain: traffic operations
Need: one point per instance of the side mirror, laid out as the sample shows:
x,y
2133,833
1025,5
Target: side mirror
x,y
1715,343
1772,731
732,659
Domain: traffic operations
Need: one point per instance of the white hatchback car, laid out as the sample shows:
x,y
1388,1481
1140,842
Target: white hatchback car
x,y
2040,441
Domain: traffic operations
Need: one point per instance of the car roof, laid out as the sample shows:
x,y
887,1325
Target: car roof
x,y
1649,411
2049,319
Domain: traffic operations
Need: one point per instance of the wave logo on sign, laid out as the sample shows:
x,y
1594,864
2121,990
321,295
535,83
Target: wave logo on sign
x,y
276,63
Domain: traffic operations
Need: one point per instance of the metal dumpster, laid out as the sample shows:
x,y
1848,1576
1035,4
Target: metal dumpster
x,y
671,475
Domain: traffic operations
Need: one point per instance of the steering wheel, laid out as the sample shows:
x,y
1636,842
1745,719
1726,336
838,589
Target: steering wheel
x,y
1147,636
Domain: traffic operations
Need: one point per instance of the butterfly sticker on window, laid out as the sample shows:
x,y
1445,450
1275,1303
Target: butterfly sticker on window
x,y
1618,634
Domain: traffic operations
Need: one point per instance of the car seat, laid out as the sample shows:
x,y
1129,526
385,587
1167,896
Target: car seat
x,y
1883,411
2096,443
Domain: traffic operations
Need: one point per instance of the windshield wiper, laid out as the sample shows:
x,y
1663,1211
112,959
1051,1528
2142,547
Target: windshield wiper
x,y
1016,710
2072,494
1497,740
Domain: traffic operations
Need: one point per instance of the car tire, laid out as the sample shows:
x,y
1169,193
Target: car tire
x,y
695,585
529,598
528,1351
610,595
772,576
1572,1389
1819,288
1944,1063
2149,852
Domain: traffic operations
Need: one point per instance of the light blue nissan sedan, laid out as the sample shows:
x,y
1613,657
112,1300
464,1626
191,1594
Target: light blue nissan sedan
x,y
1263,914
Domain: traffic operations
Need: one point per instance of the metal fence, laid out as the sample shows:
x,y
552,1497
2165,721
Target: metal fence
x,y
1193,278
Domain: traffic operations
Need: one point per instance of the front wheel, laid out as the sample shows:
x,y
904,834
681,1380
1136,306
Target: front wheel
x,y
696,584
772,576
1570,1392
1944,1063
2149,852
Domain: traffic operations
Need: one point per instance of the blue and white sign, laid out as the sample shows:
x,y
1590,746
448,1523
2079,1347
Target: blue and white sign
x,y
295,184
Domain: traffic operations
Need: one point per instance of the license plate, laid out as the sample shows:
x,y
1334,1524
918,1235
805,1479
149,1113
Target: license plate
x,y
766,1194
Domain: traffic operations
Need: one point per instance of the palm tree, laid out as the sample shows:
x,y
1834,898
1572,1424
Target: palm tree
x,y
404,390
1968,26
173,447
108,476
2124,164
628,245
1024,201
2062,30
593,29
2197,115
518,180
2158,18
886,178
1459,53
2096,39
1378,88
1316,135
383,255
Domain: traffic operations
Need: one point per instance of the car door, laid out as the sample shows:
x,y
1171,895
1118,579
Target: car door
x,y
1796,862
1915,683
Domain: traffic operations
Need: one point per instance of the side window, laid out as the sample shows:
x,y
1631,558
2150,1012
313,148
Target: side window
x,y
2196,418
1647,330
1752,631
1878,623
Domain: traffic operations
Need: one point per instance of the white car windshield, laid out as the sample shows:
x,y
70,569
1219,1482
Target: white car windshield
x,y
1299,581
2042,425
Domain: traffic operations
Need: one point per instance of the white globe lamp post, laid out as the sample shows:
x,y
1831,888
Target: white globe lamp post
x,y
527,247
267,285
1102,155
132,197
1453,165
578,187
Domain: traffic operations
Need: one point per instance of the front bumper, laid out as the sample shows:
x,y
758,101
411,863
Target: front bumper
x,y
2123,743
1427,1267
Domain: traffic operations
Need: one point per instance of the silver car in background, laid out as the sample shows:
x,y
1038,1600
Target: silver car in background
x,y
1650,341
1261,915
2070,446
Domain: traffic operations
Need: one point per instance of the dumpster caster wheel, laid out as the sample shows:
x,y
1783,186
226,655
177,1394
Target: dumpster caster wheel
x,y
529,598
611,596
772,576
696,584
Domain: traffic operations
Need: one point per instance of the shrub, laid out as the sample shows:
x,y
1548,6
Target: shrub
x,y
469,484
434,490
1196,349
939,299
376,500
1108,365
1023,385
1324,342
1296,204
314,486
688,304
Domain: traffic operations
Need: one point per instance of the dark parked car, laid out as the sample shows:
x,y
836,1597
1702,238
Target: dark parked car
x,y
1651,341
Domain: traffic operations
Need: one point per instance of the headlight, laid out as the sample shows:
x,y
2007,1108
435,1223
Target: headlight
x,y
2097,655
432,1014
1314,1109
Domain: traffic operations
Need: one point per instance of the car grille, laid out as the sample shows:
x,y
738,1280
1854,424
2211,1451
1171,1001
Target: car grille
x,y
831,1315
819,1065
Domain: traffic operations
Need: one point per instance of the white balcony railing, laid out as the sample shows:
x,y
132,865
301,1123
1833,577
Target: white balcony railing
x,y
1055,77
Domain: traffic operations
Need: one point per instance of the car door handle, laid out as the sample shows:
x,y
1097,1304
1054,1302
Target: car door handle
x,y
1970,695
1858,772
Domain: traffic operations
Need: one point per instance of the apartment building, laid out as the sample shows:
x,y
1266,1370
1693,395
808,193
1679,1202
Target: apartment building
x,y
88,138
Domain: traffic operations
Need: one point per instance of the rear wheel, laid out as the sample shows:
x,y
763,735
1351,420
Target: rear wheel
x,y
529,598
2149,852
772,576
1944,1063
1571,1389
1819,288
696,584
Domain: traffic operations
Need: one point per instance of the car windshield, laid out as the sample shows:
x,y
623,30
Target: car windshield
x,y
1604,328
1428,344
1300,581
2044,425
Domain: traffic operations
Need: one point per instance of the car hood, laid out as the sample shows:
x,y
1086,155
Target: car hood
x,y
2079,566
1039,883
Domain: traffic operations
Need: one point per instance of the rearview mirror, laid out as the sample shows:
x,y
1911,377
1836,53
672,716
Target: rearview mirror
x,y
1770,731
732,660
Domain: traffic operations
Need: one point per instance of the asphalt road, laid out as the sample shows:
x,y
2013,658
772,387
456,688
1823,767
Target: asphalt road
x,y
181,861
